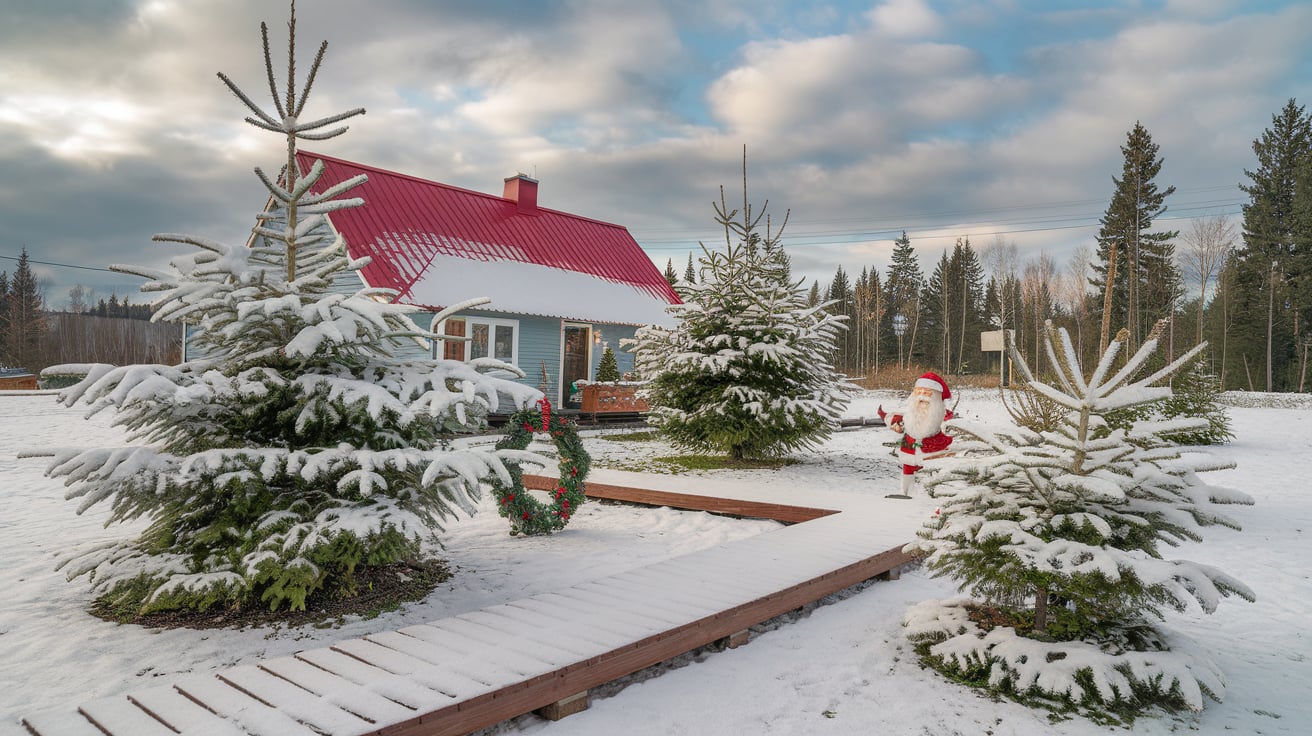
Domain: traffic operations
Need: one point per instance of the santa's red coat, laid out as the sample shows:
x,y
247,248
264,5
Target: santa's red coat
x,y
933,443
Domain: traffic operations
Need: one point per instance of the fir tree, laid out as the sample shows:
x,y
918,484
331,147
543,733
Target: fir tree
x,y
690,273
1059,534
1273,276
745,372
671,276
4,318
1194,394
1139,264
903,285
609,368
298,450
24,318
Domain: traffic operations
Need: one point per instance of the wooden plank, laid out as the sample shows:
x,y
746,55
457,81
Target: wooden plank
x,y
10,726
248,713
632,594
183,714
118,715
529,618
563,612
60,723
403,690
736,507
345,694
494,707
297,702
477,628
448,679
493,663
588,598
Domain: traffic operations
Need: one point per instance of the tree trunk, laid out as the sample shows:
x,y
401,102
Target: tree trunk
x,y
1040,610
1105,339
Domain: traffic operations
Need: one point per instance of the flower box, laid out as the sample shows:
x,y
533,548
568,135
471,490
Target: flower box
x,y
600,398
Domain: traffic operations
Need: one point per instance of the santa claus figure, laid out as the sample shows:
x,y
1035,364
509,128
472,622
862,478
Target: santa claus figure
x,y
921,425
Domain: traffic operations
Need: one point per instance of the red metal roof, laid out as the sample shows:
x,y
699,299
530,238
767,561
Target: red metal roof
x,y
407,221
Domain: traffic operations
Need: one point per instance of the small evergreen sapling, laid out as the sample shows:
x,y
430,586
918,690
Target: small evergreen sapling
x,y
298,449
1058,536
609,368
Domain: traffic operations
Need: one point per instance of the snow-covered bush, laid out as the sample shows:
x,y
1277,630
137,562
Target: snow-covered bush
x,y
1058,536
1195,393
298,448
746,371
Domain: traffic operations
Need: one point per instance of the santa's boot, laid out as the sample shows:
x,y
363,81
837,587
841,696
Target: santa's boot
x,y
908,483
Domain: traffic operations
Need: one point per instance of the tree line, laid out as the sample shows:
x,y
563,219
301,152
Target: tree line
x,y
109,331
1245,287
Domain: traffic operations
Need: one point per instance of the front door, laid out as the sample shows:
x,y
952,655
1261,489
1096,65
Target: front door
x,y
578,341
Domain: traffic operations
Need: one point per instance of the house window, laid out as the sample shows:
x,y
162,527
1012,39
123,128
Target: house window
x,y
488,338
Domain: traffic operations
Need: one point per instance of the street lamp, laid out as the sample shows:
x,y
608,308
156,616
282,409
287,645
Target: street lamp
x,y
899,329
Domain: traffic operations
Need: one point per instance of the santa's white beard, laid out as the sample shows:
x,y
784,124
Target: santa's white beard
x,y
923,417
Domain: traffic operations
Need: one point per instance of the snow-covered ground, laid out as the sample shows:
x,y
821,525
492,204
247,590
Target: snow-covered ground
x,y
844,668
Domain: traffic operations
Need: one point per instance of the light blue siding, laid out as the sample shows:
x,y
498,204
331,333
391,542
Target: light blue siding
x,y
612,335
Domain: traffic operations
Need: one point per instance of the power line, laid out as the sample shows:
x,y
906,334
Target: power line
x,y
59,265
840,237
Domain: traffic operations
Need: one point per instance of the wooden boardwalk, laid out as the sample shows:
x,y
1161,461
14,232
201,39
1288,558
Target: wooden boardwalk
x,y
465,672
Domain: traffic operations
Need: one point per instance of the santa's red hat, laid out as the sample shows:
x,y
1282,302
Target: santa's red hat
x,y
933,382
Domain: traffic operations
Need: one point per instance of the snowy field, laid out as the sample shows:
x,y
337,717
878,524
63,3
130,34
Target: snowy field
x,y
843,668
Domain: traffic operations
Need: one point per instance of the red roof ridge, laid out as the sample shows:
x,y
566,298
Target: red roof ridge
x,y
462,190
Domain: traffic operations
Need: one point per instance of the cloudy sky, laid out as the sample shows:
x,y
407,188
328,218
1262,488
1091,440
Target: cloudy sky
x,y
998,120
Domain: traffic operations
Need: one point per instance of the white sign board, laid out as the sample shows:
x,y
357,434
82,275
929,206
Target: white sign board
x,y
991,342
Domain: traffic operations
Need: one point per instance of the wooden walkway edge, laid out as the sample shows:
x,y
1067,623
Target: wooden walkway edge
x,y
466,672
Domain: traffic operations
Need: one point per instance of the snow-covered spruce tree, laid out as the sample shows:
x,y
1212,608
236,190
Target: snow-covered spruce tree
x,y
746,371
1194,394
1058,534
299,449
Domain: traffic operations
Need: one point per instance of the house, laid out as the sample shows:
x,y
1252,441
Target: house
x,y
563,286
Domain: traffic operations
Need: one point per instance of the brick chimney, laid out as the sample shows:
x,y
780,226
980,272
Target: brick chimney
x,y
523,191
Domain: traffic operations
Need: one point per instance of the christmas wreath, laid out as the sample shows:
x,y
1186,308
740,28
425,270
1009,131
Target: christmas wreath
x,y
526,513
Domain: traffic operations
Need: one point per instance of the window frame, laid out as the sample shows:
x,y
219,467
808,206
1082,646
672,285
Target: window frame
x,y
492,324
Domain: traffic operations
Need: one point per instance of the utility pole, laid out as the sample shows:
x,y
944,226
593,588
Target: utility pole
x,y
1270,319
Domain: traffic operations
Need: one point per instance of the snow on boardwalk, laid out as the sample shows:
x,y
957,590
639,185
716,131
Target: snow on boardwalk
x,y
464,672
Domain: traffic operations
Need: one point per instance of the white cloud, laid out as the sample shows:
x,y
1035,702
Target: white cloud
x,y
905,19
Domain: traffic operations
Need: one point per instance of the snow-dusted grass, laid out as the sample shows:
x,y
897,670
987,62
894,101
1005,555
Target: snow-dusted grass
x,y
849,659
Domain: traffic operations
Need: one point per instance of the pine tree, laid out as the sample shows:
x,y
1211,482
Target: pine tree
x,y
839,298
1194,395
690,273
4,319
298,451
1138,263
1058,535
937,300
1273,274
671,276
745,372
903,285
25,321
609,368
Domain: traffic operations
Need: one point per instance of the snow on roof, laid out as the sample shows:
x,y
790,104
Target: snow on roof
x,y
579,268
528,288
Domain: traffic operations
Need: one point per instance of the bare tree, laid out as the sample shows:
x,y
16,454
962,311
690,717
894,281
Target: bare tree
x,y
1037,297
80,299
1207,241
1073,294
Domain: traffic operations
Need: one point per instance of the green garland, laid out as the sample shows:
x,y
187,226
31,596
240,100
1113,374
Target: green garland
x,y
528,515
